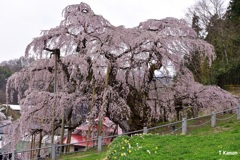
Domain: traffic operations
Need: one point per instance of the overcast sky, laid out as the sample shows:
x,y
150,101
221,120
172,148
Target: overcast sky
x,y
22,20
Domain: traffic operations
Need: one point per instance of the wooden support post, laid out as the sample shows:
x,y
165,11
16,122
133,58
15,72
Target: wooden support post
x,y
40,142
62,132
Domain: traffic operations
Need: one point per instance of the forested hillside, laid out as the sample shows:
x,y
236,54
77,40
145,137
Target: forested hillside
x,y
221,29
5,72
7,68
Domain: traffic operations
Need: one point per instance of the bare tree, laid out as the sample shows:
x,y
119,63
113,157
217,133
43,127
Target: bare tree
x,y
205,10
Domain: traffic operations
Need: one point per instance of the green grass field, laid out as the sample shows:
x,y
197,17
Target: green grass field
x,y
202,143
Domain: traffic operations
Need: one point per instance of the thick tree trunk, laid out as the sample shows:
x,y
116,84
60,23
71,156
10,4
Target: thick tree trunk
x,y
31,147
104,103
137,103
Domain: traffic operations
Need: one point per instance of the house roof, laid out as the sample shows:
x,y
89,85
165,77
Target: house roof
x,y
84,127
107,125
79,140
13,106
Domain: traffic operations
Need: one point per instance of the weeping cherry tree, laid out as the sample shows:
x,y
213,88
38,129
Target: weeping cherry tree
x,y
135,76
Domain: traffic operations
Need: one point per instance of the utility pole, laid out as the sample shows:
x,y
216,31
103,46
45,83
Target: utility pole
x,y
56,54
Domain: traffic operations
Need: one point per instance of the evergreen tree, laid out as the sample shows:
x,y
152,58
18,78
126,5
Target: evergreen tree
x,y
5,72
232,41
196,24
233,12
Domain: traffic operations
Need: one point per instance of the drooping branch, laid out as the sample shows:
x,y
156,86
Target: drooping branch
x,y
133,59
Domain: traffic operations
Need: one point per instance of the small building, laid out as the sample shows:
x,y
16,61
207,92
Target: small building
x,y
14,107
1,130
79,136
2,133
78,142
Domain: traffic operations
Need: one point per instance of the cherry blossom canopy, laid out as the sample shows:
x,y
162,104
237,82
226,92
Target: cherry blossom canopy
x,y
143,69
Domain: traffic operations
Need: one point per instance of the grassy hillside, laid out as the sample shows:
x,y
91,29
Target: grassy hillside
x,y
221,142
